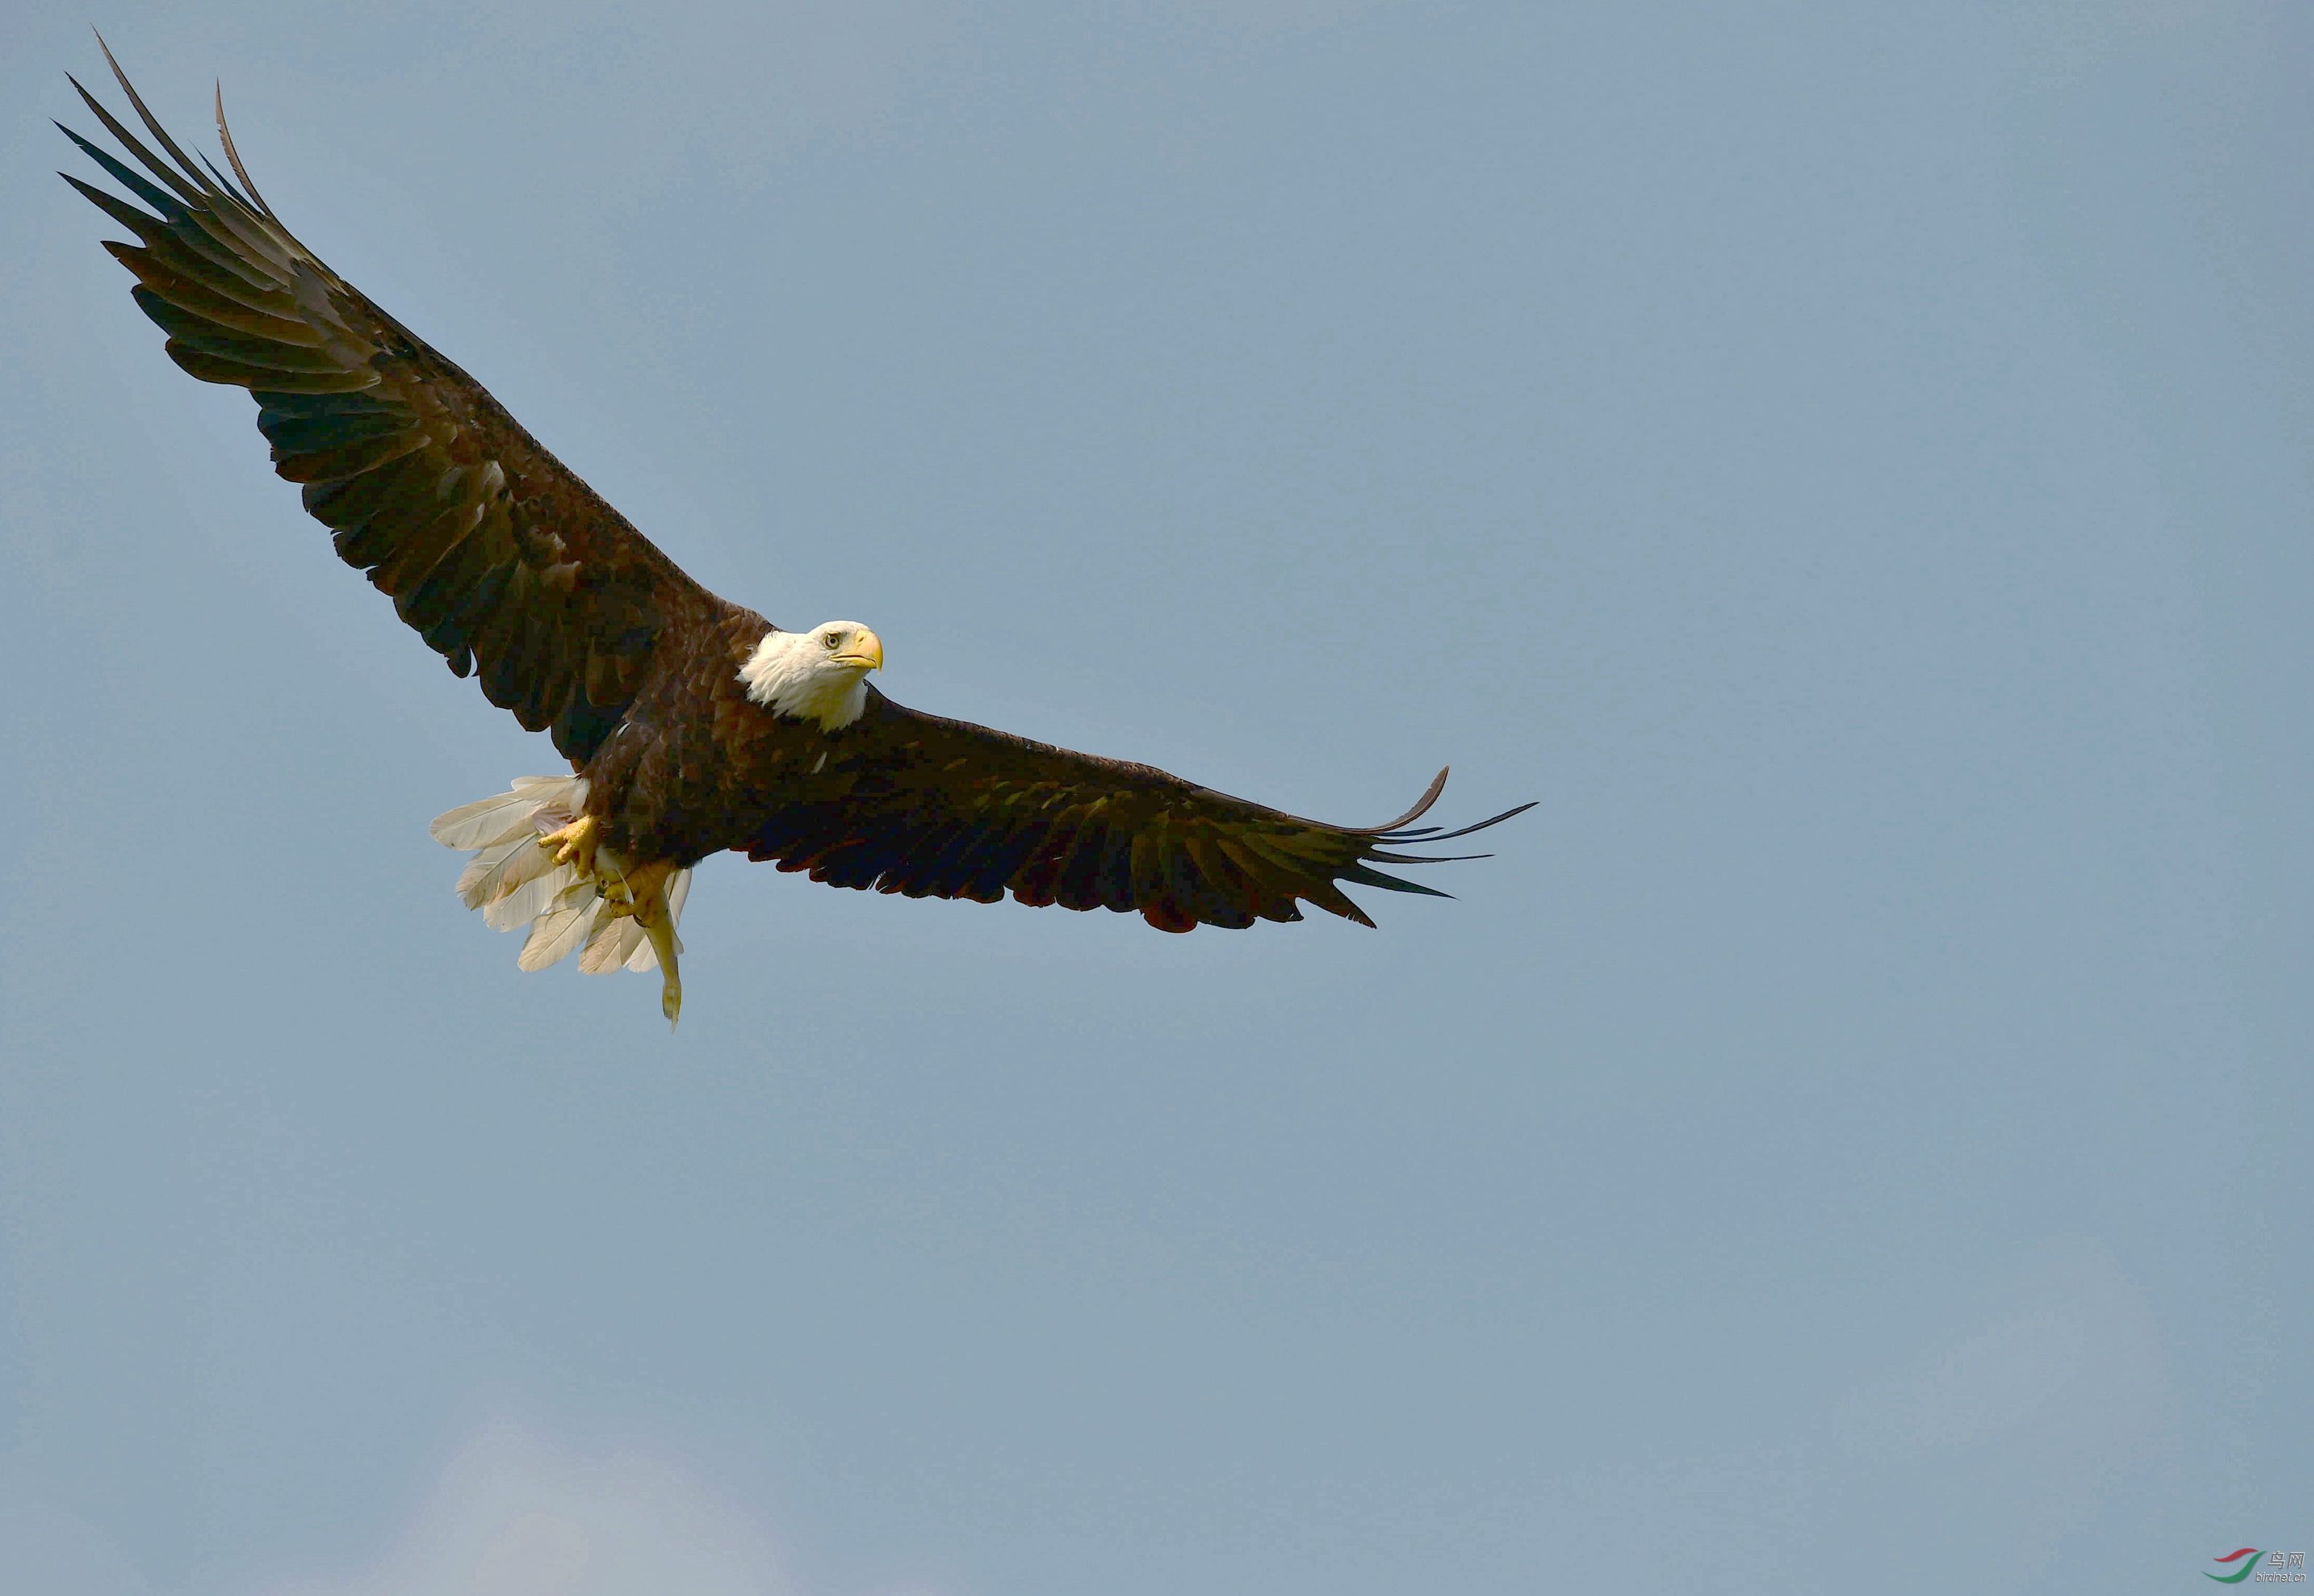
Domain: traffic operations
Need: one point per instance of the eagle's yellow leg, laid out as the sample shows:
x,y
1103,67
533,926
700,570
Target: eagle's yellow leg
x,y
575,843
645,893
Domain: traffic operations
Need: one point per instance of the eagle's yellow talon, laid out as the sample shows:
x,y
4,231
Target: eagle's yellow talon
x,y
648,887
575,843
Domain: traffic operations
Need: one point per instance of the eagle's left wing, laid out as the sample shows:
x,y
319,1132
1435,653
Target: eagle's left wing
x,y
494,551
928,807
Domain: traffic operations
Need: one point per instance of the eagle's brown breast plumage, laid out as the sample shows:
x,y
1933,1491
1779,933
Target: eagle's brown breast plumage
x,y
519,575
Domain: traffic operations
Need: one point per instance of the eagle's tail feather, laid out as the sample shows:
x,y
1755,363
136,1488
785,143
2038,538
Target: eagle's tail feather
x,y
563,926
610,944
516,884
506,816
522,901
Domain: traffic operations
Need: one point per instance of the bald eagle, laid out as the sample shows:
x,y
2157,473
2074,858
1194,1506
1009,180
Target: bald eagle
x,y
691,725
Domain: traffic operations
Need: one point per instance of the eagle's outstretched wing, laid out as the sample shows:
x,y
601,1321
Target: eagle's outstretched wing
x,y
509,566
930,807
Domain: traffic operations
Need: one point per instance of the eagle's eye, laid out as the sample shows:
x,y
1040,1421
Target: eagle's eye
x,y
832,639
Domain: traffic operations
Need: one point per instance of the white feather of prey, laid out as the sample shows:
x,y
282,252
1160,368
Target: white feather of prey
x,y
515,882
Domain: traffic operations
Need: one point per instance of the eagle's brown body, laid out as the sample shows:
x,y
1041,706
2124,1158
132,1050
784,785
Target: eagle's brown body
x,y
518,574
695,764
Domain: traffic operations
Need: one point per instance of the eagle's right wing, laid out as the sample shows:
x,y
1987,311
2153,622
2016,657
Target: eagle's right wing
x,y
925,807
510,567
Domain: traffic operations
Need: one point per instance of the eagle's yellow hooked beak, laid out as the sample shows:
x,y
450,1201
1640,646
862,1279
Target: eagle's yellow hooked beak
x,y
867,652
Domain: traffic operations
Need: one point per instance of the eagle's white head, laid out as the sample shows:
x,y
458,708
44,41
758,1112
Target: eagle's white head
x,y
818,675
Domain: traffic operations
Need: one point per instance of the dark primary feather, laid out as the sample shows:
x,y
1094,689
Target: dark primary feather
x,y
506,563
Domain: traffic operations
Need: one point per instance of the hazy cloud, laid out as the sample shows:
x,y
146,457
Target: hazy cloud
x,y
45,1548
515,1514
2078,1358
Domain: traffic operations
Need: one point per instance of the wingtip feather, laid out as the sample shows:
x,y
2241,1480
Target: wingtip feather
x,y
233,156
152,123
1421,808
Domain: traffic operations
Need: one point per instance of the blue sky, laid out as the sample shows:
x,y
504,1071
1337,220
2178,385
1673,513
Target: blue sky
x,y
1850,466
